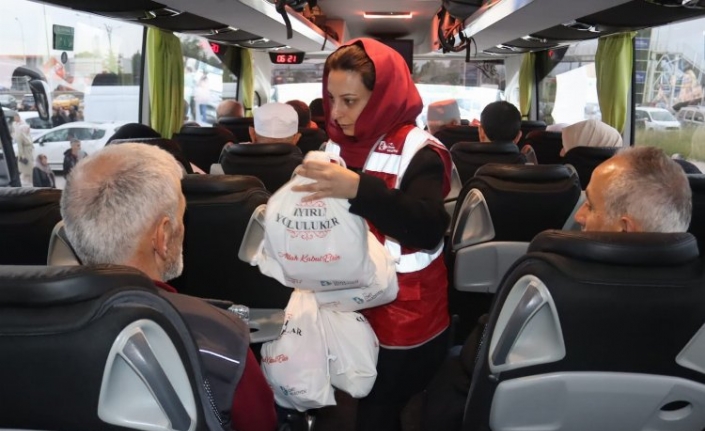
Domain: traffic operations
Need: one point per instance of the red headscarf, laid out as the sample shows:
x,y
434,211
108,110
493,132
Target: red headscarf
x,y
395,101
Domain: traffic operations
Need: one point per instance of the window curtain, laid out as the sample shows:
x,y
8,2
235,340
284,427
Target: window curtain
x,y
526,83
614,61
165,68
247,82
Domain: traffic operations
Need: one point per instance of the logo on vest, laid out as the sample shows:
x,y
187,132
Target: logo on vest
x,y
289,391
308,221
387,147
339,283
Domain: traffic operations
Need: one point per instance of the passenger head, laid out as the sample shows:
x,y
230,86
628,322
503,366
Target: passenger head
x,y
638,190
500,121
230,108
275,123
367,91
589,133
316,108
134,131
441,114
302,111
124,206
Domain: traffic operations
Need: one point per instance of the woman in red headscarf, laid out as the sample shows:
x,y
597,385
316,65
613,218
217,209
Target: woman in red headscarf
x,y
397,178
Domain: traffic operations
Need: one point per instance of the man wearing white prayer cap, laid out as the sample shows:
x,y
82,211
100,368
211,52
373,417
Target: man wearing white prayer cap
x,y
275,123
442,114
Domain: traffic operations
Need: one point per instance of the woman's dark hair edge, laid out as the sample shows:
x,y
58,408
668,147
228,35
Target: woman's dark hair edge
x,y
353,58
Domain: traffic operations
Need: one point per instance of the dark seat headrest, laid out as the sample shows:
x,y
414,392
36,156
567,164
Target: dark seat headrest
x,y
204,131
17,198
486,147
529,124
526,173
232,121
36,286
545,135
697,183
619,248
601,153
218,184
259,150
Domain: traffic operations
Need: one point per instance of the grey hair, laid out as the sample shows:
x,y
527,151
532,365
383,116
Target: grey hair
x,y
114,196
653,190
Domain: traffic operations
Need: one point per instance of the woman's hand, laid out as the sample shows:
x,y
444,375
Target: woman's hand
x,y
332,181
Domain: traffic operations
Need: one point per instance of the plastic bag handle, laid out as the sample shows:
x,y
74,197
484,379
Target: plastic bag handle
x,y
324,156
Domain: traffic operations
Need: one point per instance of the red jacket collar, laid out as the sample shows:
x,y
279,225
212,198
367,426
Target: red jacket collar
x,y
164,286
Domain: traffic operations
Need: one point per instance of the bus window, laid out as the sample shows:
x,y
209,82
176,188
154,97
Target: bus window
x,y
207,80
669,67
568,94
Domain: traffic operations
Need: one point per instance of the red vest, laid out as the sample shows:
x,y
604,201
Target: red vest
x,y
420,311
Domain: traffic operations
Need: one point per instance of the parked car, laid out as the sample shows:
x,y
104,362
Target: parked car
x,y
8,101
54,142
691,116
28,103
650,118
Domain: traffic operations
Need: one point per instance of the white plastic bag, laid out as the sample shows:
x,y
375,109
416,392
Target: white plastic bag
x,y
296,363
382,290
353,350
316,245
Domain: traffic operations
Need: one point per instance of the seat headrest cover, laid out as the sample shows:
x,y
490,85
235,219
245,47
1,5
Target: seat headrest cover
x,y
533,124
593,152
218,184
235,121
619,248
486,147
15,198
543,134
258,150
36,286
697,182
200,131
526,173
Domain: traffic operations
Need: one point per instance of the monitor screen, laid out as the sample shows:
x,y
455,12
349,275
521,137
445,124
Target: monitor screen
x,y
405,47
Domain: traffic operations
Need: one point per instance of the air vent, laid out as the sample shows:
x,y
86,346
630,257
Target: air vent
x,y
210,31
581,26
140,15
693,4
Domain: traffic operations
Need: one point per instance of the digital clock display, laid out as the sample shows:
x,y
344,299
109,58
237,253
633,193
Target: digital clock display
x,y
286,57
215,48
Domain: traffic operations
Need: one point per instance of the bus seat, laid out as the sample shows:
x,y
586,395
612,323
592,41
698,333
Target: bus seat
x,y
546,145
595,330
697,221
240,127
27,217
528,126
61,252
500,210
470,156
272,163
202,146
95,347
311,139
688,167
450,135
456,185
218,209
586,159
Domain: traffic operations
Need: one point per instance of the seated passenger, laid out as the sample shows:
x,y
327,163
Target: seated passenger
x,y
589,133
442,114
311,136
275,123
229,109
124,206
500,122
638,190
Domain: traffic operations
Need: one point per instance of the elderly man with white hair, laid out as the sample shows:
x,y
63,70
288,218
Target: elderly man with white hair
x,y
124,206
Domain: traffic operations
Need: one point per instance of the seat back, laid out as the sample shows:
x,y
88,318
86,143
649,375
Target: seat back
x,y
27,218
586,159
272,163
311,139
499,211
546,145
61,252
528,126
688,167
202,145
595,331
470,156
697,220
218,209
96,348
451,135
240,127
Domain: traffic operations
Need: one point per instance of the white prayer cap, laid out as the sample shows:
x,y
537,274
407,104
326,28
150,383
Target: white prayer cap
x,y
276,120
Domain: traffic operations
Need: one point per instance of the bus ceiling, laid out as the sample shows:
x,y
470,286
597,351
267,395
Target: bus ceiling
x,y
498,27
